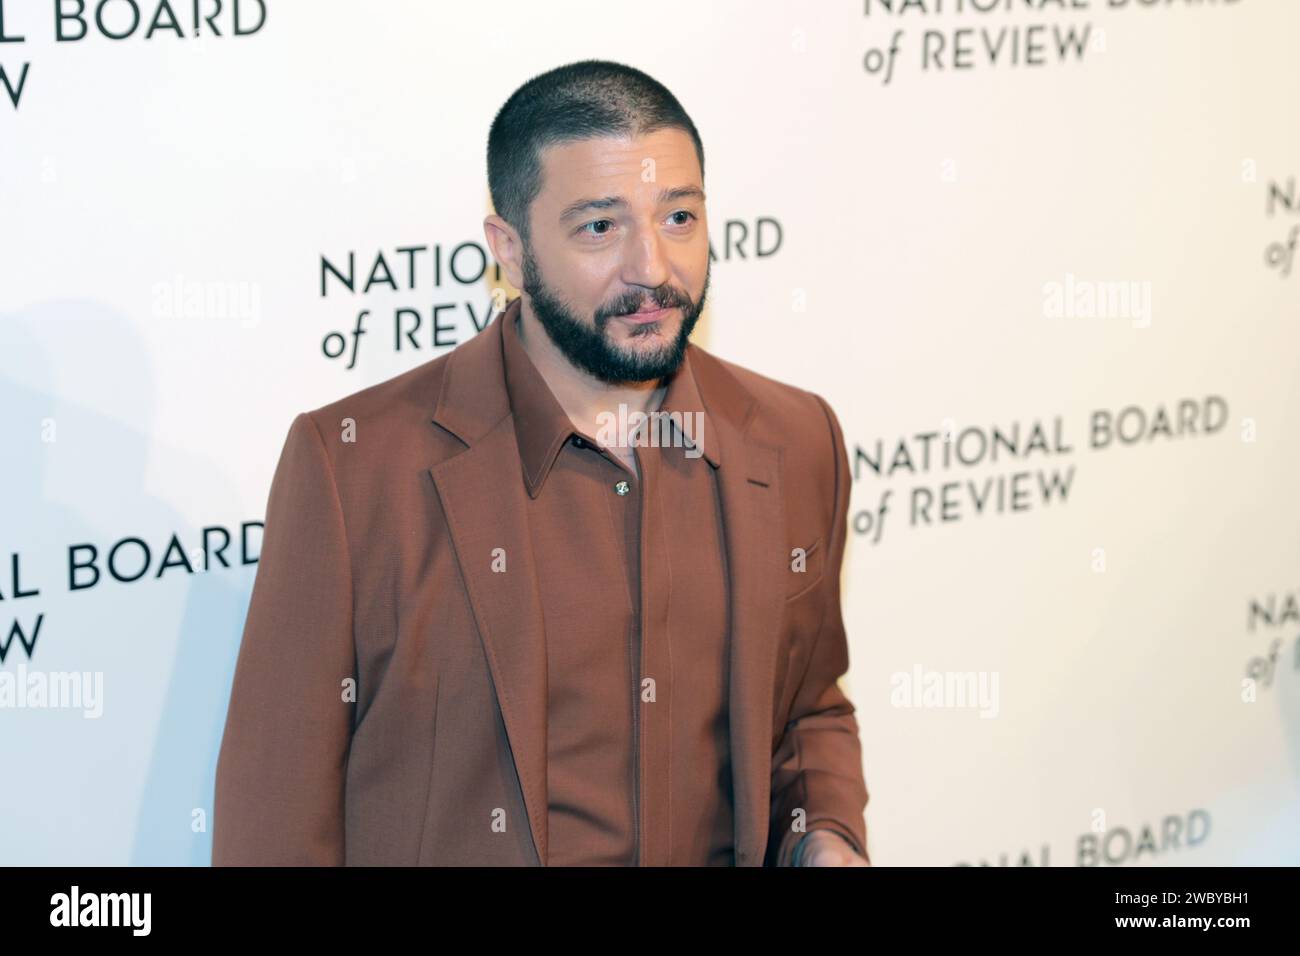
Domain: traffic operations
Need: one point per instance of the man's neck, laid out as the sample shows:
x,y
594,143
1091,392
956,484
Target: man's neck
x,y
584,398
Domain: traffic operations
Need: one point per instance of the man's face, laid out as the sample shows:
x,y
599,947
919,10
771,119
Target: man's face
x,y
617,269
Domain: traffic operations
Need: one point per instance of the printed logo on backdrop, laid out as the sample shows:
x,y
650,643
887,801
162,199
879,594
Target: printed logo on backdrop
x,y
421,299
1165,841
108,21
1277,618
1282,200
947,36
130,562
958,472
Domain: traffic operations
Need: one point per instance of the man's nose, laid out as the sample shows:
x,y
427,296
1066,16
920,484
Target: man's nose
x,y
646,261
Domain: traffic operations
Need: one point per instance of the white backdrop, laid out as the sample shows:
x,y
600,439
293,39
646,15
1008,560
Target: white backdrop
x,y
1080,216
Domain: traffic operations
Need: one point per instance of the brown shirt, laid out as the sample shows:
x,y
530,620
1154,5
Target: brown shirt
x,y
638,760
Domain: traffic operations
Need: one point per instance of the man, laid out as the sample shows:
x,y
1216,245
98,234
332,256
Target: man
x,y
569,594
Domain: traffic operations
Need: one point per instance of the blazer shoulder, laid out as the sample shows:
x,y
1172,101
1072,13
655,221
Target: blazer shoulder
x,y
382,426
413,392
787,416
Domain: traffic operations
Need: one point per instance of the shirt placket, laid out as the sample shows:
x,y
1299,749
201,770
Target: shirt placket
x,y
629,489
656,715
636,657
637,488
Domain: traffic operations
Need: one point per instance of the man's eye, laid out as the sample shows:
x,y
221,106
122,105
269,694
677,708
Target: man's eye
x,y
600,227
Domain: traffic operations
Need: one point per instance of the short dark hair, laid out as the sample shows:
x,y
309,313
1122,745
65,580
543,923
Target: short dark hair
x,y
572,102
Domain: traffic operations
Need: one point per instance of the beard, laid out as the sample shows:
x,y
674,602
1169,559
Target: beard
x,y
590,348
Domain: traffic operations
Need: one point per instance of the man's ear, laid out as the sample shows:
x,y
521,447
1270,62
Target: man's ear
x,y
507,248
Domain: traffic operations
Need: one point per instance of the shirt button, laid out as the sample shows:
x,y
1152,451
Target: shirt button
x,y
577,441
622,487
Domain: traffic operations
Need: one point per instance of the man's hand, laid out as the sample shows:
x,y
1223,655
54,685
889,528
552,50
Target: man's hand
x,y
827,848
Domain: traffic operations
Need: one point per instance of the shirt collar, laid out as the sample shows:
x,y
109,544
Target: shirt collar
x,y
542,426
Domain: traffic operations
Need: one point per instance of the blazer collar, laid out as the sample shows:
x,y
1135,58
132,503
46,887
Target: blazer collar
x,y
476,392
542,426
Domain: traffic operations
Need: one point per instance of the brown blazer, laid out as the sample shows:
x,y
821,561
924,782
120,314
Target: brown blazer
x,y
389,698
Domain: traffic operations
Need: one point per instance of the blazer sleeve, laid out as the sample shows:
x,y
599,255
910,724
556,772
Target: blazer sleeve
x,y
817,766
280,772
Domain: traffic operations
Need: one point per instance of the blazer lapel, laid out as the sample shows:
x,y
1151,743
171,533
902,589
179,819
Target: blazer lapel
x,y
753,517
483,497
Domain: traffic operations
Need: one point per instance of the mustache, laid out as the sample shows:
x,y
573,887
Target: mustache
x,y
668,299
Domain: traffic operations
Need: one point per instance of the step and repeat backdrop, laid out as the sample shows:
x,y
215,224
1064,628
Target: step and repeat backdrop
x,y
1039,256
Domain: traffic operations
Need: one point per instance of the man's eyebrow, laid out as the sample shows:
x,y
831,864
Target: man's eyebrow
x,y
577,208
